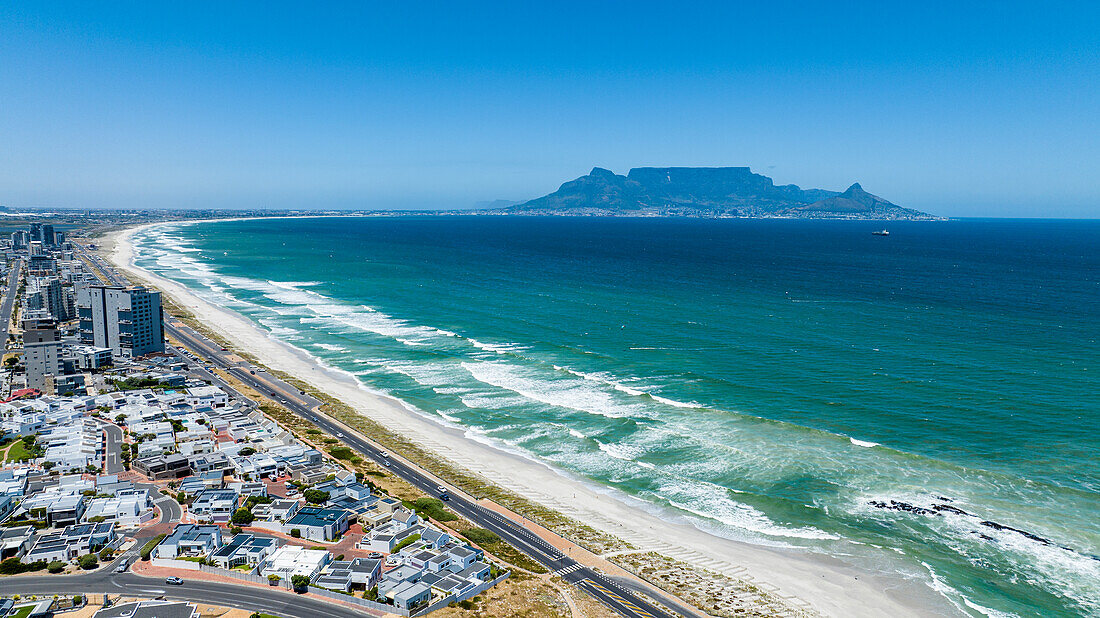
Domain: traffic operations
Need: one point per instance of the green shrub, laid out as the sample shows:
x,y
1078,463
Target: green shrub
x,y
243,517
408,541
342,452
296,533
12,566
88,562
148,548
300,582
481,536
55,567
433,508
315,496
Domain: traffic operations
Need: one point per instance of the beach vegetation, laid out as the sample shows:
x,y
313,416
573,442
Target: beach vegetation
x,y
432,508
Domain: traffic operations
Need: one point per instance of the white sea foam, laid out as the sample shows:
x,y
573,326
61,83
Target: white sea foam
x,y
563,393
711,501
331,347
622,387
496,348
620,451
863,443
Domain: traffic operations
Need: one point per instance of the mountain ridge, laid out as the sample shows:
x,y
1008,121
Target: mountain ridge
x,y
706,192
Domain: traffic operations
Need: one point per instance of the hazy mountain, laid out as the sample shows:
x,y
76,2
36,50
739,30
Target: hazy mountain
x,y
705,192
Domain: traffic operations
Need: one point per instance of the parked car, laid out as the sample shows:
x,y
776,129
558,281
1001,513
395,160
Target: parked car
x,y
175,581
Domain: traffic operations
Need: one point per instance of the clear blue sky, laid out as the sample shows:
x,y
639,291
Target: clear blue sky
x,y
989,111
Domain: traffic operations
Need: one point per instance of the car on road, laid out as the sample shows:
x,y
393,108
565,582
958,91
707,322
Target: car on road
x,y
174,581
339,435
443,495
122,566
253,372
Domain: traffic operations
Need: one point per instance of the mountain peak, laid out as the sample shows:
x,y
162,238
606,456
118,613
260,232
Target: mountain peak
x,y
706,192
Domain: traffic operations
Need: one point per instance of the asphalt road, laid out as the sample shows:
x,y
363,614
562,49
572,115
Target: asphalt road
x,y
112,456
9,299
608,591
106,581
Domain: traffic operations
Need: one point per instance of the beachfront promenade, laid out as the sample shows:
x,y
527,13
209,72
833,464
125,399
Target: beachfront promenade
x,y
601,587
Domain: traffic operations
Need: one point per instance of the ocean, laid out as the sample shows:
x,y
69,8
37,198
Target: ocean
x,y
926,402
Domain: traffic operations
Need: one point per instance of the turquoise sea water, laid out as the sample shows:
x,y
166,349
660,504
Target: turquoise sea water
x,y
779,382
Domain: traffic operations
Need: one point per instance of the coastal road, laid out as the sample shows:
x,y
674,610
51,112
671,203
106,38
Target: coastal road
x,y
9,299
249,598
626,602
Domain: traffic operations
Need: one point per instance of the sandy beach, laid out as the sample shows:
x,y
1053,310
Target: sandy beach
x,y
827,585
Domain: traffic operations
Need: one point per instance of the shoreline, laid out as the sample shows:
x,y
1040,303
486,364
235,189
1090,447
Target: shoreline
x,y
826,584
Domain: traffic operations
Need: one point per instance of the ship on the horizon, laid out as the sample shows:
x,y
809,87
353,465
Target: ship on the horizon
x,y
881,232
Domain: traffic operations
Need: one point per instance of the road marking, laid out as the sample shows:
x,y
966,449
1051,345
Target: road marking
x,y
632,606
569,569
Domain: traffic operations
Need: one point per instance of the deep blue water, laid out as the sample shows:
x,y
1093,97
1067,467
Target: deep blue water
x,y
773,380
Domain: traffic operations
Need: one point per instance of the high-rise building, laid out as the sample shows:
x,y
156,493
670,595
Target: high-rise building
x,y
35,232
19,240
43,358
127,320
48,236
53,298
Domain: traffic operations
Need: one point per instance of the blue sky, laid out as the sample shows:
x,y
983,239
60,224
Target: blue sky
x,y
986,111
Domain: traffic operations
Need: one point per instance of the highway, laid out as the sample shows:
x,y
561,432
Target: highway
x,y
9,299
608,591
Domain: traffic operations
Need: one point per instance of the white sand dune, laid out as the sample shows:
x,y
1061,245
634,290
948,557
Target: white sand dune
x,y
827,585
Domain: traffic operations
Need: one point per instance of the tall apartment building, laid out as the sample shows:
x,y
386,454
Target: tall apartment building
x,y
126,320
42,356
48,293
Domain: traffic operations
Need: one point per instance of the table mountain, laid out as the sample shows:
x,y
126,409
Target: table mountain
x,y
705,192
